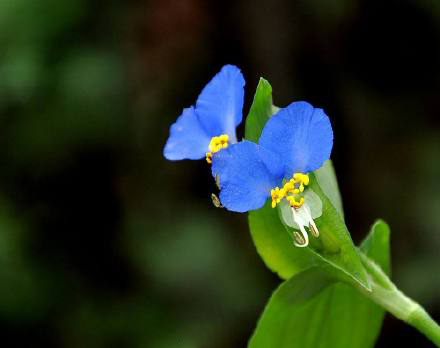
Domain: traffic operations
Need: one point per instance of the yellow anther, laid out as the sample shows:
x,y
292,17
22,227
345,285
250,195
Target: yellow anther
x,y
277,195
209,157
300,180
299,177
306,179
291,190
294,203
223,140
288,186
215,145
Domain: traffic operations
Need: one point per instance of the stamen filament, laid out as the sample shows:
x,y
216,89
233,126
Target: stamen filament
x,y
305,236
303,218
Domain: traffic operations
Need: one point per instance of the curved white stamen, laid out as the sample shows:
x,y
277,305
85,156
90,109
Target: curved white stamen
x,y
303,218
311,224
305,236
298,217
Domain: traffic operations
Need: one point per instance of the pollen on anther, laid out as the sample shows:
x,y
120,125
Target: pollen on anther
x,y
294,203
277,195
215,145
209,157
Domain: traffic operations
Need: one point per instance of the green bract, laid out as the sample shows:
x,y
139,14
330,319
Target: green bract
x,y
334,294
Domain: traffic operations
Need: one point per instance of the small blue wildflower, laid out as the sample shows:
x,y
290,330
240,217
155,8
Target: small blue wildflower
x,y
295,141
209,126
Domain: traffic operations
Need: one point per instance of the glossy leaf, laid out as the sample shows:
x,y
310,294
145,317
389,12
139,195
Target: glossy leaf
x,y
334,244
311,310
274,244
326,177
260,112
377,245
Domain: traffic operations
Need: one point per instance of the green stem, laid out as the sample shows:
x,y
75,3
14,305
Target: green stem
x,y
386,294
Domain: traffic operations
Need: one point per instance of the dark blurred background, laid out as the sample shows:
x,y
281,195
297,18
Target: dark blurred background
x,y
103,243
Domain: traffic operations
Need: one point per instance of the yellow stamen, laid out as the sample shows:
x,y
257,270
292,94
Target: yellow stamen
x,y
289,186
215,145
294,203
277,195
209,157
291,191
306,179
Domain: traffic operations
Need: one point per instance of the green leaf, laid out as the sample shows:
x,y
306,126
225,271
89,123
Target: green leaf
x,y
274,244
334,244
326,177
311,310
294,313
260,111
377,245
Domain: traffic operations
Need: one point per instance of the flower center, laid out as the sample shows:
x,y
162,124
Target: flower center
x,y
215,145
292,191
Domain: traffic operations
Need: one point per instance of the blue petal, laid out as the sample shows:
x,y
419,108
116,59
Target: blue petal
x,y
187,140
220,105
247,173
301,135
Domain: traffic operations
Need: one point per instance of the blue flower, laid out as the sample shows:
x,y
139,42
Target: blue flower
x,y
295,141
209,126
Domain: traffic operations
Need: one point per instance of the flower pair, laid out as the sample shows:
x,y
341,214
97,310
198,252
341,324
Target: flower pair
x,y
295,141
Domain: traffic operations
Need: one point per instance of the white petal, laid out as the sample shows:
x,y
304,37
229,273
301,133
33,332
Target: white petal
x,y
314,202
